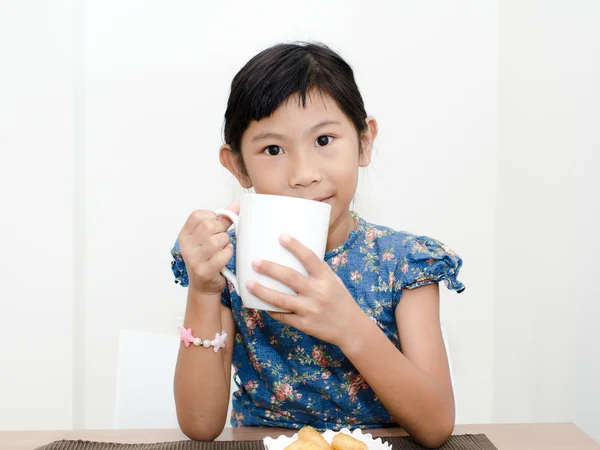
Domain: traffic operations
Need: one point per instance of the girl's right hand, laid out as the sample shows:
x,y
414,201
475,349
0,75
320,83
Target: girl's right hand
x,y
206,249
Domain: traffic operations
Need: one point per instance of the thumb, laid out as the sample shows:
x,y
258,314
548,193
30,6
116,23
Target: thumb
x,y
233,207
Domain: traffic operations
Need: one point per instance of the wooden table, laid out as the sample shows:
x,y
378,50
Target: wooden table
x,y
541,436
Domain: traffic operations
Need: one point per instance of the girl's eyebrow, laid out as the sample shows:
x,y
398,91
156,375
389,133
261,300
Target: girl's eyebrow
x,y
323,124
267,135
263,136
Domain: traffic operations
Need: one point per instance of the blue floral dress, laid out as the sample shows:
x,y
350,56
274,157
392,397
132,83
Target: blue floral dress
x,y
287,378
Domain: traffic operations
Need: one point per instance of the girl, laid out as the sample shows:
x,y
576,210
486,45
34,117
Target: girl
x,y
362,346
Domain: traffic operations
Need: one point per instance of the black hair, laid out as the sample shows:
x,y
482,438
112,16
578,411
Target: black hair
x,y
280,71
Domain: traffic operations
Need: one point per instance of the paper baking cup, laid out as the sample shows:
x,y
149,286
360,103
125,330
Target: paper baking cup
x,y
373,444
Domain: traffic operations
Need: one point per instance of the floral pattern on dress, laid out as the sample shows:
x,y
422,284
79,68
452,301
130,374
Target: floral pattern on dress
x,y
290,379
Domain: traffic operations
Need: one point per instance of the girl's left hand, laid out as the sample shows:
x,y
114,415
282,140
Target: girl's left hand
x,y
323,307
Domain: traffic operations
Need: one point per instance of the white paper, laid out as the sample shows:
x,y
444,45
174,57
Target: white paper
x,y
282,441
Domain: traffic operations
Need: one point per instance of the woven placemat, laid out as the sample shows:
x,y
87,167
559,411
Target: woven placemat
x,y
458,442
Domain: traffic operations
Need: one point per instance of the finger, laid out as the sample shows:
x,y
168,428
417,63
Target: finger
x,y
275,298
293,320
208,228
195,219
221,258
214,244
281,317
288,276
233,207
306,256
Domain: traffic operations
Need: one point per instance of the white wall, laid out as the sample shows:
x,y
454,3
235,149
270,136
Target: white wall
x,y
36,225
547,304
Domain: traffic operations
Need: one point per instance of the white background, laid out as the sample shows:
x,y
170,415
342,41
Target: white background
x,y
110,122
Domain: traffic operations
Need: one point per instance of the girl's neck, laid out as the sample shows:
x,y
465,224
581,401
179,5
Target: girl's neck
x,y
340,230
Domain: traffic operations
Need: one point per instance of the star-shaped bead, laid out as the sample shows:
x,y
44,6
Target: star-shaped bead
x,y
219,341
186,335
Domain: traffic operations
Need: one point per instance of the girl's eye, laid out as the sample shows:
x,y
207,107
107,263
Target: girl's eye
x,y
273,150
322,141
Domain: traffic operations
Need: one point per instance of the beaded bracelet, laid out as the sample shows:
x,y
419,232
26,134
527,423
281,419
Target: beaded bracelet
x,y
217,343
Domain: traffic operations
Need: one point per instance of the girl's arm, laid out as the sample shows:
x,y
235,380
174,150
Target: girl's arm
x,y
203,377
414,385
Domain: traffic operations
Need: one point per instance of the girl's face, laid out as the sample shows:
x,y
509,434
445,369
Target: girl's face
x,y
308,152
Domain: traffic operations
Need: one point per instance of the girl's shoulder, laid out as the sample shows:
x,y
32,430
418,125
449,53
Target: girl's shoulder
x,y
381,237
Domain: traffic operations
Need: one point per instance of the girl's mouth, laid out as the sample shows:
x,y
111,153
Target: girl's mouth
x,y
322,199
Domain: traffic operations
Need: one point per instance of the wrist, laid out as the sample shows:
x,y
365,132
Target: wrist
x,y
197,295
203,312
200,303
360,339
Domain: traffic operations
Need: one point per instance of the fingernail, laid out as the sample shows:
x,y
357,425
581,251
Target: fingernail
x,y
250,284
286,238
256,264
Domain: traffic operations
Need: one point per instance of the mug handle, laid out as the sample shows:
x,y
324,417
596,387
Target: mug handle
x,y
235,219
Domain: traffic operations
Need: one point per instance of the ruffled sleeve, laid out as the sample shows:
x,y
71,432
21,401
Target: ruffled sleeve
x,y
181,275
178,266
428,261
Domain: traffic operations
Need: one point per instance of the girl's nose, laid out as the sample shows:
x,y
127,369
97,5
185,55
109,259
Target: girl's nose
x,y
304,171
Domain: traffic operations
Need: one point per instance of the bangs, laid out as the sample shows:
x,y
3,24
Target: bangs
x,y
279,73
270,85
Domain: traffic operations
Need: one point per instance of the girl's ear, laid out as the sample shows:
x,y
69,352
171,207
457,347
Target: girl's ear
x,y
232,161
366,140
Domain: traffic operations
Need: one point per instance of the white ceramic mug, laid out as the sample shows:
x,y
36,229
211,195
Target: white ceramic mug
x,y
262,220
